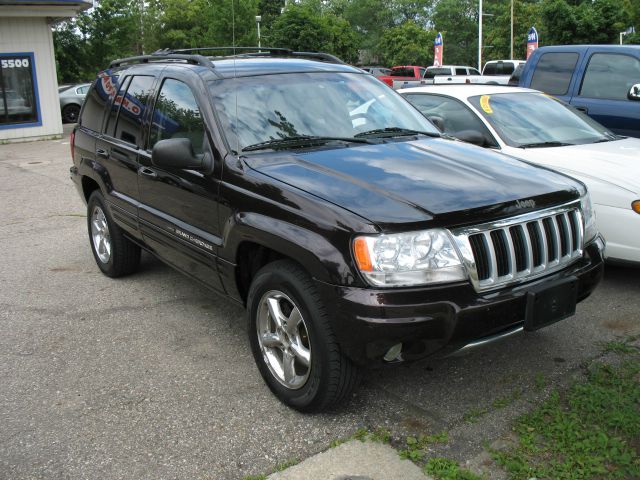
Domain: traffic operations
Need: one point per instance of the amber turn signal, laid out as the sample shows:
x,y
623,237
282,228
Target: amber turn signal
x,y
361,252
635,206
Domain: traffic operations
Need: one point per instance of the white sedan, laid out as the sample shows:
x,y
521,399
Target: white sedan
x,y
532,126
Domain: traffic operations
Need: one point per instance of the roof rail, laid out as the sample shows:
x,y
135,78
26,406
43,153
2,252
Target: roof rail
x,y
259,51
163,55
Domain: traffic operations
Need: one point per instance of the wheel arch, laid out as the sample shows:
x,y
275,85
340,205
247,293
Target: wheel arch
x,y
256,240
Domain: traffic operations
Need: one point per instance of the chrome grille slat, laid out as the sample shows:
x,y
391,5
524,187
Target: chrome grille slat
x,y
498,248
528,249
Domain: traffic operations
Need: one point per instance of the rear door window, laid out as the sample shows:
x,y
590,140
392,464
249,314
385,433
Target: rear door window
x,y
461,71
133,106
553,73
610,76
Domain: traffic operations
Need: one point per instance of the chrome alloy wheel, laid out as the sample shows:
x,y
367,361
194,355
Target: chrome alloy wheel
x,y
284,339
100,235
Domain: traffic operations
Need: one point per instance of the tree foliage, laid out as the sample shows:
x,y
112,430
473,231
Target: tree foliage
x,y
359,31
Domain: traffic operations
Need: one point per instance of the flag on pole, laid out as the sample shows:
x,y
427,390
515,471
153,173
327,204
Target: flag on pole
x,y
532,41
438,47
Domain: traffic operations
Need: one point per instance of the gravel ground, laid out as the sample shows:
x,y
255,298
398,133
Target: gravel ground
x,y
151,376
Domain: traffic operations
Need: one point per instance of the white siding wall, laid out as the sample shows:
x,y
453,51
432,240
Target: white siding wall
x,y
22,34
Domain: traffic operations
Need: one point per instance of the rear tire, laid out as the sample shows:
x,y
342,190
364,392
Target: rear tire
x,y
70,113
319,375
115,254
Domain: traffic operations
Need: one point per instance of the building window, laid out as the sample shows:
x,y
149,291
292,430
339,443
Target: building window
x,y
18,91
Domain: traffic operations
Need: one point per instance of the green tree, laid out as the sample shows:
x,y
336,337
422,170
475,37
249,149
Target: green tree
x,y
302,28
407,44
458,22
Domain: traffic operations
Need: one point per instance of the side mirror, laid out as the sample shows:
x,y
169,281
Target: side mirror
x,y
634,92
471,136
437,121
175,153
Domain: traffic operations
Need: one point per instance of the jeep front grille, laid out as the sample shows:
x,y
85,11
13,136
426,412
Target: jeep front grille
x,y
521,248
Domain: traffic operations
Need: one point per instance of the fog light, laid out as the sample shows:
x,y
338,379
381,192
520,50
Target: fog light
x,y
635,206
393,353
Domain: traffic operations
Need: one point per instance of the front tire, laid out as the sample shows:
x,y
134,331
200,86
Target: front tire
x,y
292,341
115,254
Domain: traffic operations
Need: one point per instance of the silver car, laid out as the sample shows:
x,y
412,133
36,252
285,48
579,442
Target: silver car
x,y
71,99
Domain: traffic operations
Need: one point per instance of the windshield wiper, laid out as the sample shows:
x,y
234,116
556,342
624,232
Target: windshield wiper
x,y
300,141
395,132
545,144
608,137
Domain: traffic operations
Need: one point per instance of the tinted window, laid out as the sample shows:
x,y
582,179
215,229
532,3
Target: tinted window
x,y
17,94
132,109
177,115
461,71
457,117
402,72
432,72
115,105
422,72
100,94
610,76
490,69
553,72
473,71
507,68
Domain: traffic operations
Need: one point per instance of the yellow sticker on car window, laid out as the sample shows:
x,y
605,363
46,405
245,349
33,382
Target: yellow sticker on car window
x,y
484,103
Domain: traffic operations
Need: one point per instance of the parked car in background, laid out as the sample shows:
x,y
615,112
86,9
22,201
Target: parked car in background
x,y
602,81
404,76
532,126
500,71
451,74
377,71
71,100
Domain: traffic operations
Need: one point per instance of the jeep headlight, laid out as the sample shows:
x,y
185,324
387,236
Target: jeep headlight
x,y
408,259
590,229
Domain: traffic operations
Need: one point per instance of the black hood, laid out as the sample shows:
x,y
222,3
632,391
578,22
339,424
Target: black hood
x,y
443,181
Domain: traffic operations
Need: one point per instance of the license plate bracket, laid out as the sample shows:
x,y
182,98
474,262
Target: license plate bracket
x,y
548,304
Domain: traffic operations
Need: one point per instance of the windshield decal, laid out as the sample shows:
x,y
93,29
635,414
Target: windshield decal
x,y
484,103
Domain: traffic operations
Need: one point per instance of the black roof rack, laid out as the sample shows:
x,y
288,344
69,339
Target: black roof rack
x,y
258,52
184,55
163,55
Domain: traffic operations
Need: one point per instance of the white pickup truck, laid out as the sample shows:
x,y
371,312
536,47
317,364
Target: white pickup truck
x,y
499,71
450,74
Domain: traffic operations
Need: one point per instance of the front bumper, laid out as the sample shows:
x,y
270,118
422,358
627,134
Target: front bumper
x,y
440,318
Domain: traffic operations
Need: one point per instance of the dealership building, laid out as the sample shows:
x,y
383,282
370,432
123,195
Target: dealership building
x,y
29,105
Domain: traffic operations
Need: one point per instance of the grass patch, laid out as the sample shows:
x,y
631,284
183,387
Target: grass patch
x,y
416,446
380,435
591,431
540,381
620,347
255,477
446,469
474,414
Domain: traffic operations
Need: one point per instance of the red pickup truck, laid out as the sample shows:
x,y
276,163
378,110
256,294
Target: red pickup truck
x,y
404,77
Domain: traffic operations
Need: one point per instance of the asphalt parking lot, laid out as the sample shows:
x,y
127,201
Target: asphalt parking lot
x,y
151,376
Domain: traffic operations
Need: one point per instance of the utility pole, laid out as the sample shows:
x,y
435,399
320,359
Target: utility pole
x,y
511,44
480,36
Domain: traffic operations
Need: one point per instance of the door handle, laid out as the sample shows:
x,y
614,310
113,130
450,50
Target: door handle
x,y
101,152
582,109
147,172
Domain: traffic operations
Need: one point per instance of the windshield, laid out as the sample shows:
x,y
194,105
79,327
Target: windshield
x,y
274,107
532,119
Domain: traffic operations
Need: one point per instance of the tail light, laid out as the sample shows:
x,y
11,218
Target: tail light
x,y
72,143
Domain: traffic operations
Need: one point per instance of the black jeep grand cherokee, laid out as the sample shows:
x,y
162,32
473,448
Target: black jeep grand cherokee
x,y
319,198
